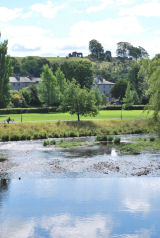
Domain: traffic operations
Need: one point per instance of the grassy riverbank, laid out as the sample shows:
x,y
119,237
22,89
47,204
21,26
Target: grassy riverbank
x,y
60,129
103,115
139,145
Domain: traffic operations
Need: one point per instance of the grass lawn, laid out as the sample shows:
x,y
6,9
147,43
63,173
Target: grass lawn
x,y
103,115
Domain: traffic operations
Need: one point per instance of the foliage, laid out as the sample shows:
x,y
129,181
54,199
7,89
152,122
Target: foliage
x,y
78,100
5,72
125,49
153,79
32,66
98,96
96,49
30,94
48,88
119,89
81,70
17,99
128,99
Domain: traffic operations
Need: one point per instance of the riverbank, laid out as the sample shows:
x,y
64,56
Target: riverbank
x,y
62,129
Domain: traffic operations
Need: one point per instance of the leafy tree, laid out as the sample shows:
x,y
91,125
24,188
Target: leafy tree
x,y
33,66
30,94
81,70
17,99
79,101
61,80
128,99
122,49
98,96
104,99
153,79
119,89
16,66
48,88
5,72
125,49
96,49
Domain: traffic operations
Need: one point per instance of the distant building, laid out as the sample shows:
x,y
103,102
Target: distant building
x,y
75,54
104,87
18,82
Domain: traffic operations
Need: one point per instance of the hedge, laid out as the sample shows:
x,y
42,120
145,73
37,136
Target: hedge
x,y
55,109
118,107
28,110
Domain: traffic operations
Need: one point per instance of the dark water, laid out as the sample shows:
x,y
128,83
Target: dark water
x,y
36,201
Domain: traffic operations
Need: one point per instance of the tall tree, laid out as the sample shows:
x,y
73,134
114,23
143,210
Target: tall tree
x,y
48,88
153,78
128,99
96,49
5,72
119,89
81,70
79,101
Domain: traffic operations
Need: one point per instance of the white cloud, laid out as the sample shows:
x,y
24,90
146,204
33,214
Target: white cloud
x,y
43,42
59,226
48,10
101,7
146,9
7,14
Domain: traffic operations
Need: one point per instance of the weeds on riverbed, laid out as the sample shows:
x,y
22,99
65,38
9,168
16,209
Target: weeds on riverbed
x,y
61,129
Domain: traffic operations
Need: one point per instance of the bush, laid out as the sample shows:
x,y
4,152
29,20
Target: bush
x,y
152,139
28,110
5,138
14,137
45,143
110,138
52,142
117,140
101,138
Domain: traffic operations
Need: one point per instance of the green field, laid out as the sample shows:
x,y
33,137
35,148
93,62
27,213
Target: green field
x,y
103,115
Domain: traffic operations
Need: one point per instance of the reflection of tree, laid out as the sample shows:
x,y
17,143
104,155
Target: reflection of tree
x,y
4,185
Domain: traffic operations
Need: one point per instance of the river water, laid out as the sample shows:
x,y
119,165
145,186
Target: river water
x,y
88,192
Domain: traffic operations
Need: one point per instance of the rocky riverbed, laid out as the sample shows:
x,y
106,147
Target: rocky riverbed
x,y
32,158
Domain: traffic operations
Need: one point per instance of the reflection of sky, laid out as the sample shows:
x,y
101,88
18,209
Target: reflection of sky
x,y
63,208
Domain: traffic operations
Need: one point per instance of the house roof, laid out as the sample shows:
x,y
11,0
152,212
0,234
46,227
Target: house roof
x,y
99,81
24,80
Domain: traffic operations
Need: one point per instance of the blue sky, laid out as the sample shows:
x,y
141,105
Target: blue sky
x,y
58,27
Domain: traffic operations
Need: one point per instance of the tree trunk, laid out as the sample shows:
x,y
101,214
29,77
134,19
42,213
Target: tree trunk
x,y
78,117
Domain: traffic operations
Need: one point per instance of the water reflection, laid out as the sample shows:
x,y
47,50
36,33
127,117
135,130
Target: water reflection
x,y
83,207
4,186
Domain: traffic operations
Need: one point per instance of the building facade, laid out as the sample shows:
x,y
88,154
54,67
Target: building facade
x,y
18,82
104,87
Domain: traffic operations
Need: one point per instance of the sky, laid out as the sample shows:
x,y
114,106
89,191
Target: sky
x,y
58,27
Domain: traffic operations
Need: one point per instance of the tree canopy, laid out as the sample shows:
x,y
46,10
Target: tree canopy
x,y
119,89
96,49
5,72
79,101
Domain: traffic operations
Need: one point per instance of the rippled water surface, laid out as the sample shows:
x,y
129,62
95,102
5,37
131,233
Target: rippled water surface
x,y
88,192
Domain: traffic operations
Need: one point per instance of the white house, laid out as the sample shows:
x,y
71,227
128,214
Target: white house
x,y
104,86
18,82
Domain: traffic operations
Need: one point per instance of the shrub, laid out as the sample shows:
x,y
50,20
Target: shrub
x,y
5,138
23,137
152,139
14,137
117,140
101,138
52,142
45,143
110,138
